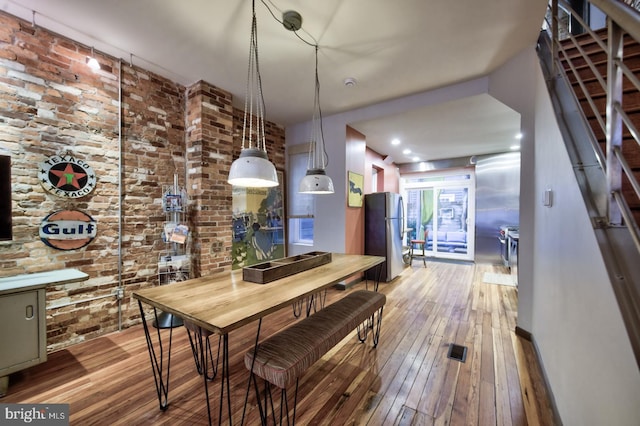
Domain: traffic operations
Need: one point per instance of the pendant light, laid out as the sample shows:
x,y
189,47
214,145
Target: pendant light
x,y
253,168
316,180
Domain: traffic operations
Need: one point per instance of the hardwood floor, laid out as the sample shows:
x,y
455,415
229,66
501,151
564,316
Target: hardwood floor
x,y
407,380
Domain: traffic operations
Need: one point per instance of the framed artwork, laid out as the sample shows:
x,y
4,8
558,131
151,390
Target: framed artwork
x,y
258,224
356,189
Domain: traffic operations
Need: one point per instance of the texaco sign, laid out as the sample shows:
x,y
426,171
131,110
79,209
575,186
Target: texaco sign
x,y
66,176
68,229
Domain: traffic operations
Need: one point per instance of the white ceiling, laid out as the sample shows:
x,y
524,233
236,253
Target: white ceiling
x,y
392,49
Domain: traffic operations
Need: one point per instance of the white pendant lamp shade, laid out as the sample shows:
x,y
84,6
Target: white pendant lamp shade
x,y
253,169
316,181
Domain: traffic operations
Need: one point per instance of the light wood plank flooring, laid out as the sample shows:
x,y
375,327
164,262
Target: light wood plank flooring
x,y
407,380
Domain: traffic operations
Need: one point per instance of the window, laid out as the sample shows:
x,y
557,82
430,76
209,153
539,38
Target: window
x,y
301,230
442,203
301,206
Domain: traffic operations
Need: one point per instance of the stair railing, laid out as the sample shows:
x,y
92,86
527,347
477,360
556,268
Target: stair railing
x,y
616,228
621,19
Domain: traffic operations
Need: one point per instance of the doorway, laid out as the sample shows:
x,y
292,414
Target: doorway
x,y
443,206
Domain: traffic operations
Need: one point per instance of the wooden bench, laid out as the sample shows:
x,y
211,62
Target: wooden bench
x,y
283,357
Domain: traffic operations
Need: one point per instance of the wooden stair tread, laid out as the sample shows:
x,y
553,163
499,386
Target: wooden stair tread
x,y
630,97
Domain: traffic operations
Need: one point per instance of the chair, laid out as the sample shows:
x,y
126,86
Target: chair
x,y
423,243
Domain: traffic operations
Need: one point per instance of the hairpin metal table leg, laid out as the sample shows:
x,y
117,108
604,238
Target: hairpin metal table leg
x,y
252,377
157,359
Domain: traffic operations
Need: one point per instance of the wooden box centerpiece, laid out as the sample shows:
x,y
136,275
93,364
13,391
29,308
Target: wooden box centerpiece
x,y
263,273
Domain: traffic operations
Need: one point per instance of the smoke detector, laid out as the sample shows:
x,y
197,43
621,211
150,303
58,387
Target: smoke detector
x,y
350,82
292,20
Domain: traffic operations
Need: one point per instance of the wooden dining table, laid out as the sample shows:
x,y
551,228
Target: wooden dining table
x,y
223,302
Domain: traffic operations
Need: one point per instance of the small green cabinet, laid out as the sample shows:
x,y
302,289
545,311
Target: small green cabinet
x,y
23,330
23,320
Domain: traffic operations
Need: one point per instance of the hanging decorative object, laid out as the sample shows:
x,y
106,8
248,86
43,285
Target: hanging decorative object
x,y
65,176
253,168
316,180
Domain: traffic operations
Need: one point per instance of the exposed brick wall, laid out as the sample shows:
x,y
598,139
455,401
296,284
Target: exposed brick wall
x,y
51,102
209,154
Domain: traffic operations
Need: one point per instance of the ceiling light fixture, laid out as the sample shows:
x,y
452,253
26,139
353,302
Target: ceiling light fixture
x,y
253,168
292,20
395,141
406,151
316,180
92,62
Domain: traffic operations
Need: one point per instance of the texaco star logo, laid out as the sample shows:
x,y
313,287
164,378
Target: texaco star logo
x,y
66,176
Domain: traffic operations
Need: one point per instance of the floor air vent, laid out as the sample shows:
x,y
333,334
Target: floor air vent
x,y
457,352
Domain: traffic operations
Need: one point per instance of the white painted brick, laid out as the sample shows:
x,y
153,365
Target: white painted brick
x,y
210,106
26,77
66,89
45,113
157,110
12,65
28,94
89,110
156,126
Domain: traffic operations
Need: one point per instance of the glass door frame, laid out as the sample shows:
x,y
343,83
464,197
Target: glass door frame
x,y
411,182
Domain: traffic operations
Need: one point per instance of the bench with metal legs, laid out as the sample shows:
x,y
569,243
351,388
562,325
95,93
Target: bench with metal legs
x,y
283,357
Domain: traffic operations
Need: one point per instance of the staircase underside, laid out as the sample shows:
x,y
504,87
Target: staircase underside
x,y
616,243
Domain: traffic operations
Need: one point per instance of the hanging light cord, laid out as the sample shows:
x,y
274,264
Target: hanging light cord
x,y
254,94
317,133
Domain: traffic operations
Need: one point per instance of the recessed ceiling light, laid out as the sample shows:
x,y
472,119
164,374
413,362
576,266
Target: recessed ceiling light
x,y
519,136
406,151
514,147
416,158
395,141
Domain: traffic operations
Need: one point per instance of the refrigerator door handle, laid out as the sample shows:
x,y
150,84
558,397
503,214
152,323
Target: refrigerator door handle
x,y
401,218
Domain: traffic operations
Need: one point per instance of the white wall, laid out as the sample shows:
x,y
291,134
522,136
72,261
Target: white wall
x,y
514,85
330,216
576,323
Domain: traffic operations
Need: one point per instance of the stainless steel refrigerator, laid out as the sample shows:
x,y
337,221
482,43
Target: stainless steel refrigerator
x,y
384,231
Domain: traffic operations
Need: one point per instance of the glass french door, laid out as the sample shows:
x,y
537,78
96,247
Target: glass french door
x,y
441,208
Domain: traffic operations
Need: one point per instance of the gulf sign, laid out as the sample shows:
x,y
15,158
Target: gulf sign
x,y
68,229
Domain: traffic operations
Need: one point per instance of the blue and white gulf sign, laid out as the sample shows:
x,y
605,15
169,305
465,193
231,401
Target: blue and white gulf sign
x,y
68,229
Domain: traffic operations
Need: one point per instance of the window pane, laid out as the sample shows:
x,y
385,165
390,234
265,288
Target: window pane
x,y
301,230
306,229
299,204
